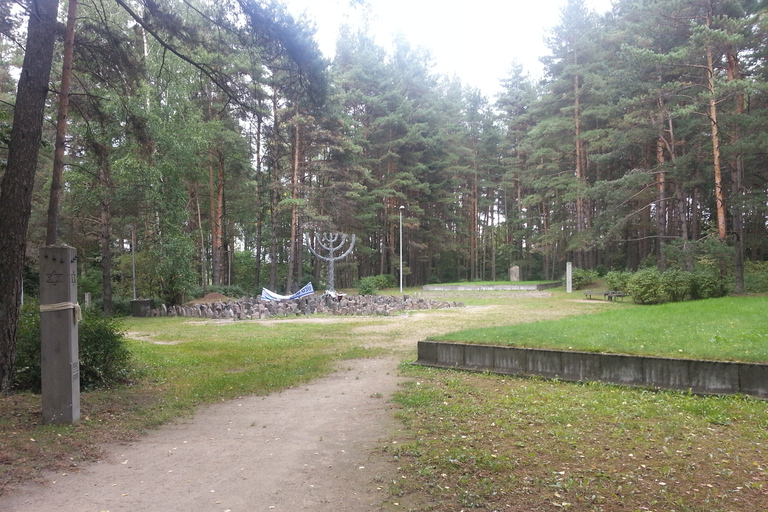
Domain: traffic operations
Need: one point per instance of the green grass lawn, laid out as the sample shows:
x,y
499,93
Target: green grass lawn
x,y
201,362
494,443
730,329
467,441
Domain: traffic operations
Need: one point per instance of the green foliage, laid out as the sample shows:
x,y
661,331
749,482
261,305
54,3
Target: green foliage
x,y
230,291
676,284
616,280
120,306
756,276
27,374
707,284
369,285
645,286
104,356
581,278
173,268
385,281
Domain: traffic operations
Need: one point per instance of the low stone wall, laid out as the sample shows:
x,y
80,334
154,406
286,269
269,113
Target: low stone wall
x,y
705,377
469,287
256,308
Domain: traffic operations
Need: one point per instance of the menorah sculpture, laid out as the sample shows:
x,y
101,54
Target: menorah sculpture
x,y
331,242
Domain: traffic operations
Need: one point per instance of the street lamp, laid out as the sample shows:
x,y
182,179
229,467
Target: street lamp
x,y
401,248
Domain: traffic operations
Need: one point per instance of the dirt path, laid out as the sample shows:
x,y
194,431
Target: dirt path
x,y
305,449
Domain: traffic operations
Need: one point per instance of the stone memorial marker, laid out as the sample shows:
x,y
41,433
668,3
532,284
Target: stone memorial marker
x,y
59,315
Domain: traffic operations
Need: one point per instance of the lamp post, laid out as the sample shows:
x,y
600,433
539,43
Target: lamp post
x,y
401,248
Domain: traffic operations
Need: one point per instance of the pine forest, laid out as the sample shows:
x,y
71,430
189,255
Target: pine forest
x,y
202,145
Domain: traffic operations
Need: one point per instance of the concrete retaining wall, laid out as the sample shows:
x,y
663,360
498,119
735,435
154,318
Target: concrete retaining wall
x,y
488,287
705,377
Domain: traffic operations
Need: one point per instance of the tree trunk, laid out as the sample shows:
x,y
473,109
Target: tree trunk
x,y
736,194
215,191
61,126
715,129
292,259
274,194
19,178
661,205
102,155
259,207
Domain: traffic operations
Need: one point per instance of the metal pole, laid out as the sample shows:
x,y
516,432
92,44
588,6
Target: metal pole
x,y
401,248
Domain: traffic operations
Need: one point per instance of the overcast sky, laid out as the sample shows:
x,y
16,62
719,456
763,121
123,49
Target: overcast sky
x,y
477,40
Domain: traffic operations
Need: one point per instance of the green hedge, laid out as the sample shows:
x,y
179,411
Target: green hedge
x,y
369,285
650,286
104,356
581,278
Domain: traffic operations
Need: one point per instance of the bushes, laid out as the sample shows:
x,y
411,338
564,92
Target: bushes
x,y
676,284
645,286
103,353
581,278
617,281
230,291
649,286
707,284
756,276
369,285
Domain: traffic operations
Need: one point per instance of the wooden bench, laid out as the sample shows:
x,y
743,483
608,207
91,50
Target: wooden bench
x,y
610,295
589,293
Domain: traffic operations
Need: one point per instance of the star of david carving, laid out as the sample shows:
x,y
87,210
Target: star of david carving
x,y
54,278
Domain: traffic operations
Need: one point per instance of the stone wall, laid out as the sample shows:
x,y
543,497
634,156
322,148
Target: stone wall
x,y
256,308
697,376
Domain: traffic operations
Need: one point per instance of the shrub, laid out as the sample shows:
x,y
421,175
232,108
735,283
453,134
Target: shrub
x,y
645,286
103,353
120,307
676,284
617,280
230,291
28,375
367,286
707,284
581,278
756,276
385,281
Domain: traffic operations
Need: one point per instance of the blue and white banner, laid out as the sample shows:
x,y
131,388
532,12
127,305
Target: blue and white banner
x,y
269,295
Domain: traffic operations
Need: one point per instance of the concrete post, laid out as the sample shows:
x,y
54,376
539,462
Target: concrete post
x,y
59,315
569,277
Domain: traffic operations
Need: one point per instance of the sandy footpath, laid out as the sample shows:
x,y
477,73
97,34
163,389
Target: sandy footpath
x,y
310,448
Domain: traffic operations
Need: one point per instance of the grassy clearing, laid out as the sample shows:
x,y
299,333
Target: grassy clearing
x,y
471,441
485,442
731,328
180,364
200,362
